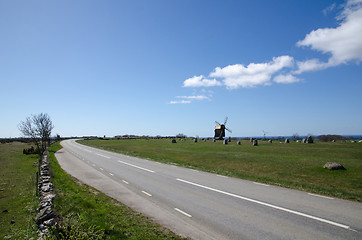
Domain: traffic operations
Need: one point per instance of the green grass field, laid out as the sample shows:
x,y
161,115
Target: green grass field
x,y
293,165
17,191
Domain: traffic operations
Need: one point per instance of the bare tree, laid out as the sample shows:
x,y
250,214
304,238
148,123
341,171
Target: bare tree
x,y
295,136
37,127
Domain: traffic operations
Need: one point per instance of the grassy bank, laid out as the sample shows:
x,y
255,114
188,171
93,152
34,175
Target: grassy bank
x,y
293,165
94,214
17,191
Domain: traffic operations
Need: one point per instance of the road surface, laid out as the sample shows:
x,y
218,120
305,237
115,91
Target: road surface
x,y
202,205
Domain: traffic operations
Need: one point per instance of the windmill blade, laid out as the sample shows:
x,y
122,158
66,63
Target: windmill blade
x,y
217,123
226,119
229,130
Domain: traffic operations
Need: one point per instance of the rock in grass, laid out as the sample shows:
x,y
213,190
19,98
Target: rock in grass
x,y
255,142
44,214
238,142
173,140
333,166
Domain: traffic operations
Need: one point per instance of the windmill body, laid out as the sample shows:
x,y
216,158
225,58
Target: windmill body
x,y
220,130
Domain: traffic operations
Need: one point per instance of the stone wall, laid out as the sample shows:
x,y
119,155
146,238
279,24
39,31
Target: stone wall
x,y
46,216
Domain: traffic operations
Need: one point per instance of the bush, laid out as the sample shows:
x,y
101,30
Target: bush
x,y
31,151
329,138
74,231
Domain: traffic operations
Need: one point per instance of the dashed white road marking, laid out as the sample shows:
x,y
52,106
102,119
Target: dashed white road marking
x,y
125,182
269,205
93,165
111,174
135,166
101,169
147,193
182,212
102,155
316,195
262,184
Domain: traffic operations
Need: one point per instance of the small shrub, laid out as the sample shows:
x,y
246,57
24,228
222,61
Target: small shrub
x,y
74,231
31,150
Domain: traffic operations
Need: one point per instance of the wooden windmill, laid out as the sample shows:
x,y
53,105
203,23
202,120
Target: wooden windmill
x,y
220,130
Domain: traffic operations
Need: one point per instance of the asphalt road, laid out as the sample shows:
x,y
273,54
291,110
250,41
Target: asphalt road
x,y
202,205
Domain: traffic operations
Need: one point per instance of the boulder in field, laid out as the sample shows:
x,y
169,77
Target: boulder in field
x,y
333,166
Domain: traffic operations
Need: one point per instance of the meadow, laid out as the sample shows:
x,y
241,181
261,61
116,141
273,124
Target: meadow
x,y
294,165
18,199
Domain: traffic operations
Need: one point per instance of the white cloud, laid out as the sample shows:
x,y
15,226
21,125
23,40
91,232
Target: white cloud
x,y
235,76
190,99
197,97
201,81
286,79
310,65
180,102
343,43
329,9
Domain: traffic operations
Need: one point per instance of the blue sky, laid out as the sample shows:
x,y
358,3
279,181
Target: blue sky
x,y
168,67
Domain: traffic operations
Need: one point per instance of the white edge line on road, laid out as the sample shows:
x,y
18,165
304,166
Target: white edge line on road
x,y
316,195
269,205
147,193
182,212
129,164
262,184
221,176
102,155
125,182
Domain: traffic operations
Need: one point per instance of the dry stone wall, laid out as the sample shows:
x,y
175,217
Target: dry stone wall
x,y
46,216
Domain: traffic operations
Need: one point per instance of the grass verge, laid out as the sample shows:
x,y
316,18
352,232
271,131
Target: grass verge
x,y
293,165
17,191
94,215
